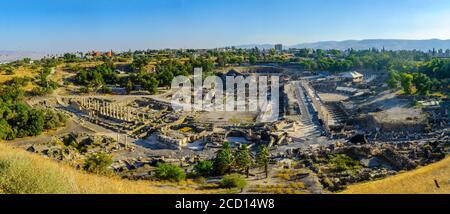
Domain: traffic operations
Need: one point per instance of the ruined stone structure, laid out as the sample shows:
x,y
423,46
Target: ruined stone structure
x,y
95,107
322,113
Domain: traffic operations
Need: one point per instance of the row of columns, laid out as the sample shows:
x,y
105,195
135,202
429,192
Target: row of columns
x,y
107,109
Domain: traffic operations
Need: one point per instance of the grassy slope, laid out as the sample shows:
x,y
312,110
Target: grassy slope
x,y
24,172
419,181
23,71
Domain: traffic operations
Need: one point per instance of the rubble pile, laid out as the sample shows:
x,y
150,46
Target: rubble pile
x,y
341,164
74,148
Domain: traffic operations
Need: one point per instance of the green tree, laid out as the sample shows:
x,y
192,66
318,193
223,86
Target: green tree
x,y
222,60
169,172
243,159
263,158
129,86
82,77
139,62
35,122
252,59
26,60
11,94
151,85
165,78
393,79
6,132
53,119
423,83
204,168
406,81
224,159
68,57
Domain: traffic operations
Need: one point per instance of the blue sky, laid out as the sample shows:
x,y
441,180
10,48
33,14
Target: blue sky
x,y
69,25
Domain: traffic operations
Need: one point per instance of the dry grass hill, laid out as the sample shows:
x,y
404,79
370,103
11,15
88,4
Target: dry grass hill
x,y
419,181
24,172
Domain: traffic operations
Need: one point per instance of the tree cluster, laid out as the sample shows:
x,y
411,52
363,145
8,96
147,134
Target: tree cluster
x,y
230,160
19,120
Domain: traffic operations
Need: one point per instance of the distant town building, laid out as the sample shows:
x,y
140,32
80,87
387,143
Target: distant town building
x,y
353,76
288,56
279,47
96,53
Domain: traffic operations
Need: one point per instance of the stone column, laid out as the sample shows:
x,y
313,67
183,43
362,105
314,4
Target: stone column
x,y
120,112
110,110
124,113
126,142
111,107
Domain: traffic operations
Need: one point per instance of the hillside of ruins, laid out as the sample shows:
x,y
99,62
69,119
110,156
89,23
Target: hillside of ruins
x,y
333,128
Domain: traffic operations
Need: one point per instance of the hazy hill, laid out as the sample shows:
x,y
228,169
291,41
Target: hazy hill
x,y
8,56
388,44
260,46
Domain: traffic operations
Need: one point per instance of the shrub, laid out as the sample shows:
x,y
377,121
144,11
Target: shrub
x,y
98,163
204,168
169,172
343,163
106,90
53,119
233,181
9,71
6,131
297,185
286,175
201,180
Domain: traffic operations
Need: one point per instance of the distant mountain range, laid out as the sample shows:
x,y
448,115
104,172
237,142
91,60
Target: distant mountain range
x,y
388,44
9,56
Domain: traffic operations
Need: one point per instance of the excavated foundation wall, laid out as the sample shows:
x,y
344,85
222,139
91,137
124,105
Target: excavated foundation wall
x,y
371,123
